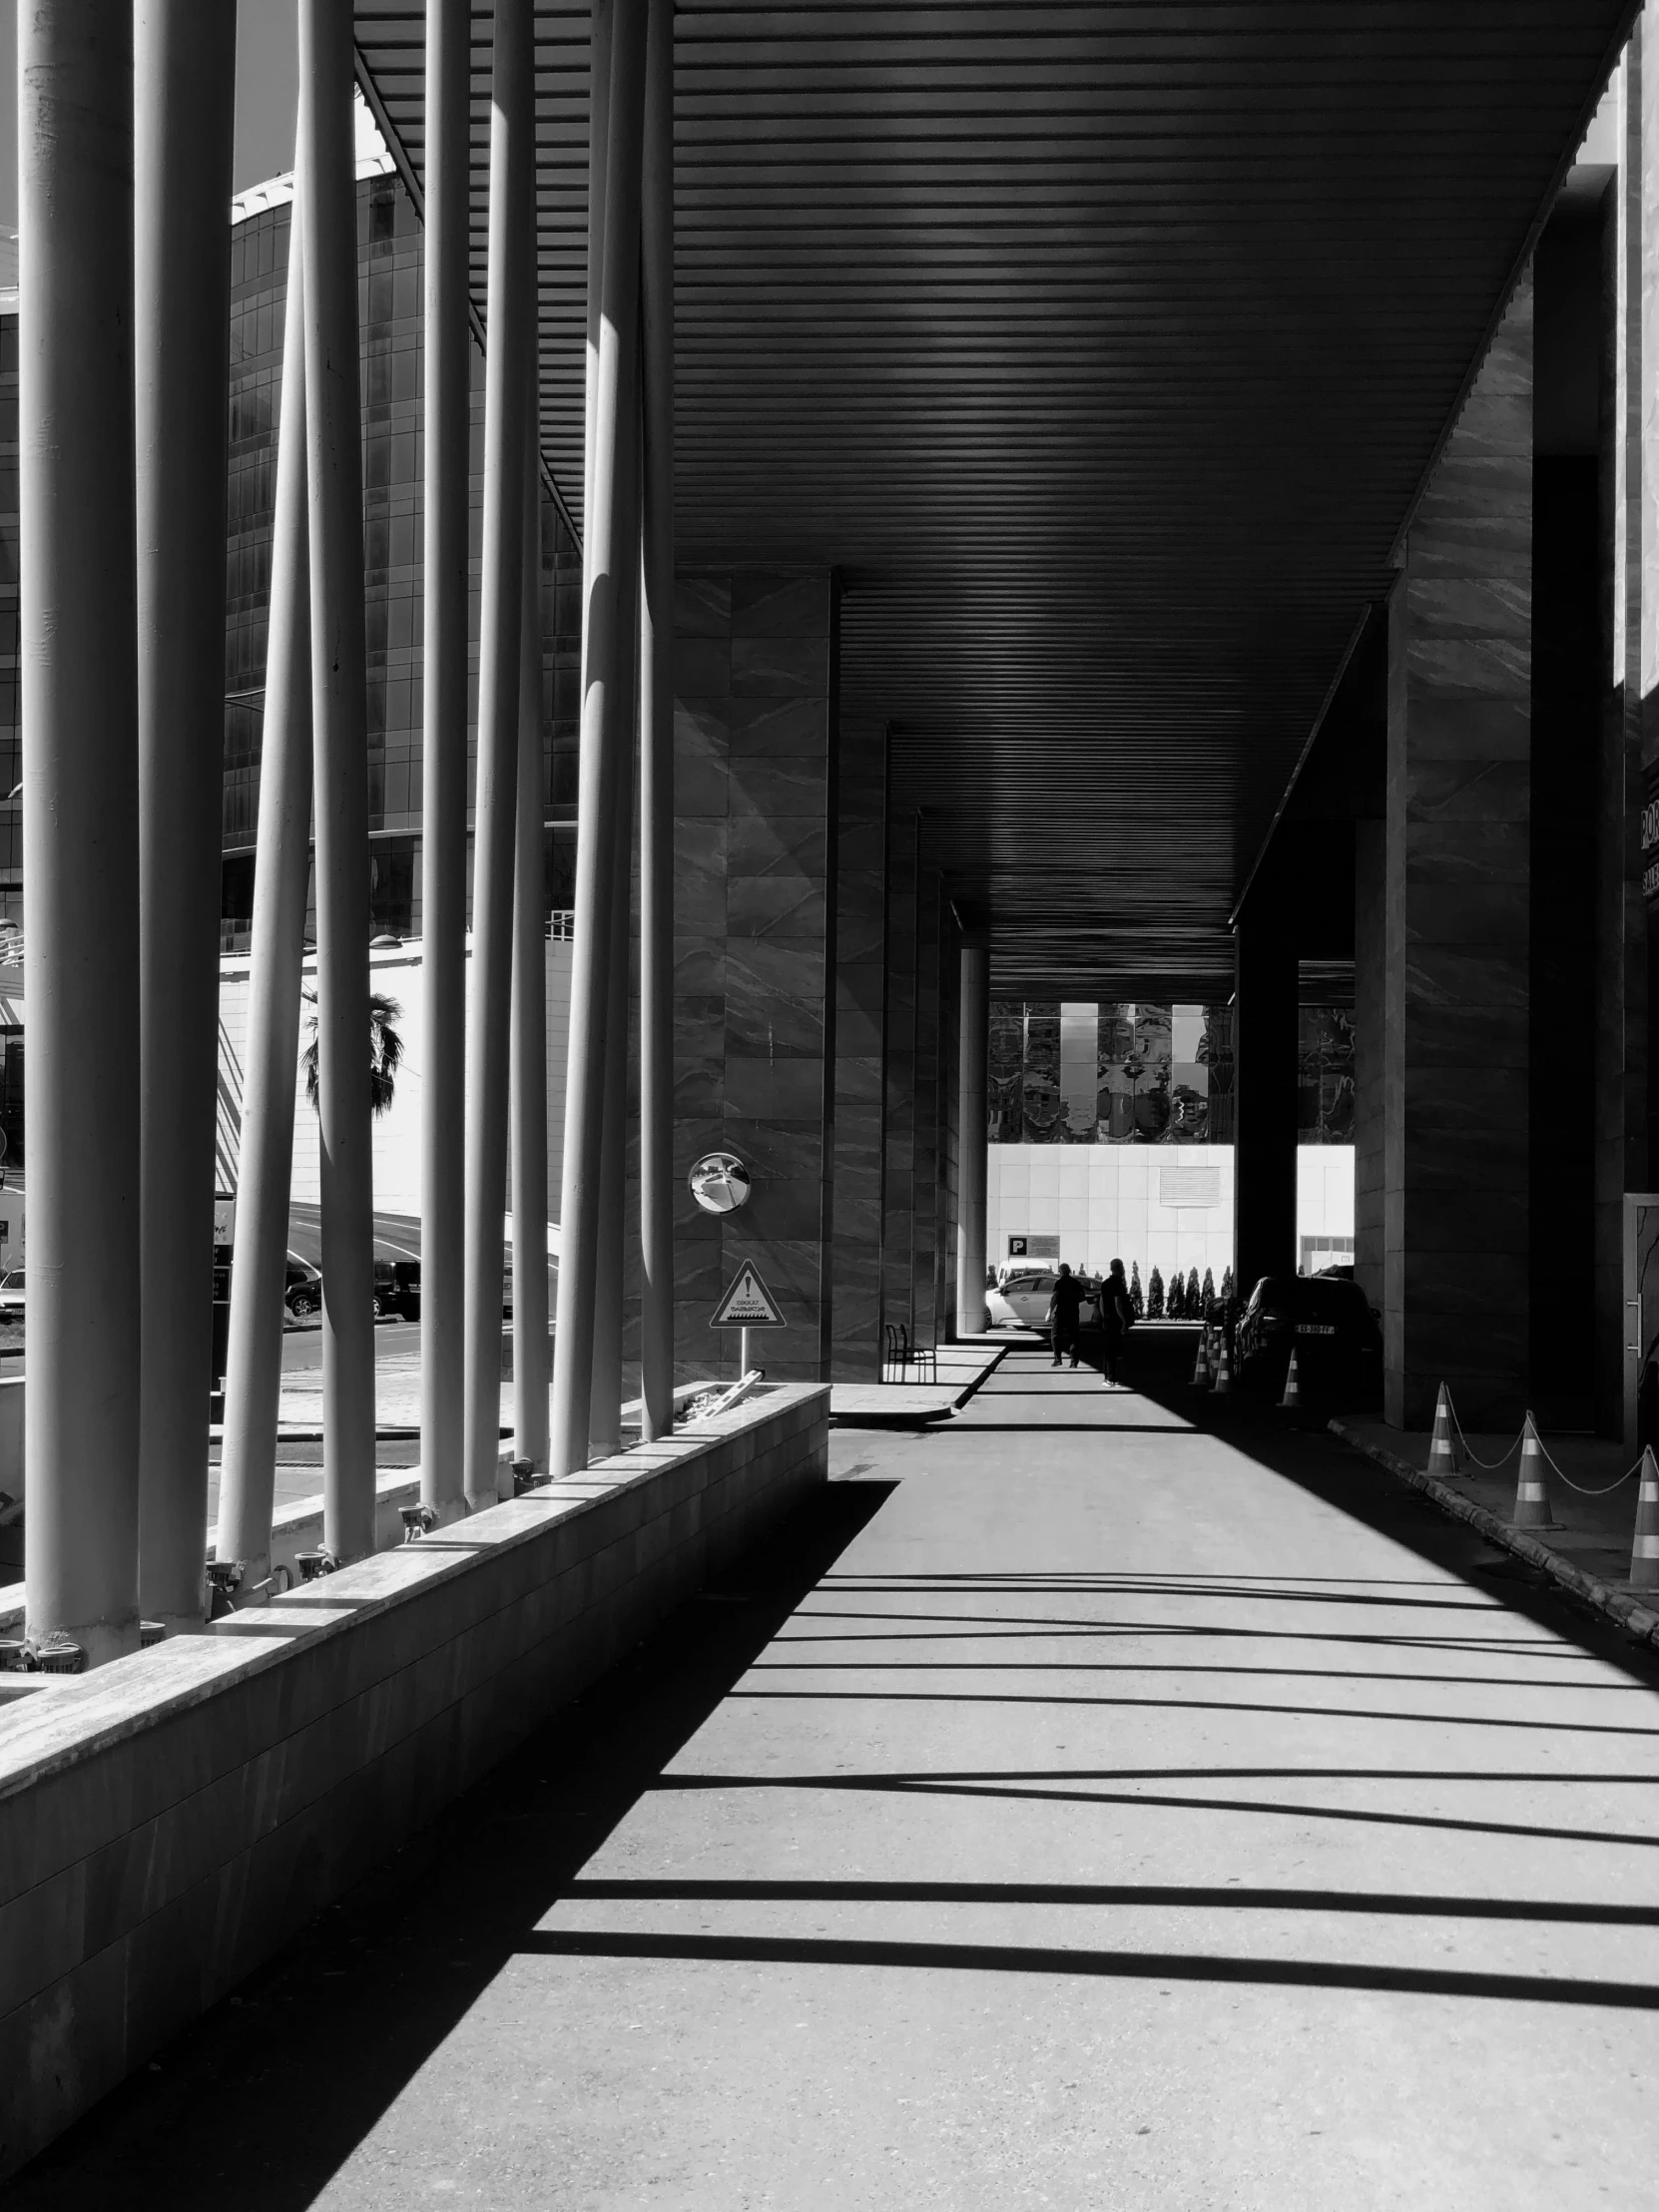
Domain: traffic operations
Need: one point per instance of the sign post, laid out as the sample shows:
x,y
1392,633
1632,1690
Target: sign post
x,y
747,1304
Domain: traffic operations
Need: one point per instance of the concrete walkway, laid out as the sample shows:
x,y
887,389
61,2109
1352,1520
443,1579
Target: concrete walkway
x,y
1084,1811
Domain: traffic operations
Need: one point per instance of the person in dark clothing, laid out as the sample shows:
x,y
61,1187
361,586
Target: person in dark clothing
x,y
1116,1314
1063,1308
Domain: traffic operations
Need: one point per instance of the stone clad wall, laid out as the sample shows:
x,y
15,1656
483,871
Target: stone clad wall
x,y
1456,928
860,972
168,1820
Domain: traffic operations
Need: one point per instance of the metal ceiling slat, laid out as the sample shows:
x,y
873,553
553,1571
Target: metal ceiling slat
x,y
1103,347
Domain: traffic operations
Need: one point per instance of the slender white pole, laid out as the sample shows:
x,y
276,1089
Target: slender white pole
x,y
447,342
78,549
490,1013
610,557
254,1376
656,733
333,440
531,1365
185,95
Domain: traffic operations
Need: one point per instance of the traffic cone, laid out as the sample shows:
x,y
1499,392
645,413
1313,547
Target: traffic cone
x,y
1224,1369
1293,1387
1532,1493
1201,1365
1644,1551
1443,1452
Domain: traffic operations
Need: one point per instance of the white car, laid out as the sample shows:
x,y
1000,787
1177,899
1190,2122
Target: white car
x,y
1020,1300
11,1294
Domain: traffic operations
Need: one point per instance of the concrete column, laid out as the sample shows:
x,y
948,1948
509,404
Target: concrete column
x,y
1369,899
184,101
973,1040
80,807
657,735
1264,1089
511,280
328,209
531,1371
254,1376
1455,1073
443,754
610,546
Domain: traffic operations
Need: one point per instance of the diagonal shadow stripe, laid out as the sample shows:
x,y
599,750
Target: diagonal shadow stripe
x,y
1124,1966
1158,1667
1191,1705
1165,1800
1389,1904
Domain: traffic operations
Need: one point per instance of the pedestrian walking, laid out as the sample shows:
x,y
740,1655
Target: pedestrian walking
x,y
1064,1306
1117,1318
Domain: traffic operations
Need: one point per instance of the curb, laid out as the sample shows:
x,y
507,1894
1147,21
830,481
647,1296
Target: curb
x,y
1638,1621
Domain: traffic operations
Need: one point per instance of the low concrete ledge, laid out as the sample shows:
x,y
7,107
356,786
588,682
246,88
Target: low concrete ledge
x,y
166,1821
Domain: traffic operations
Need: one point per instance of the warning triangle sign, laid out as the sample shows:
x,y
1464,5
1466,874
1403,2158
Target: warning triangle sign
x,y
748,1304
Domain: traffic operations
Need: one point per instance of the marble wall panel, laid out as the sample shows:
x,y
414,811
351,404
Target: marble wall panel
x,y
1455,930
753,953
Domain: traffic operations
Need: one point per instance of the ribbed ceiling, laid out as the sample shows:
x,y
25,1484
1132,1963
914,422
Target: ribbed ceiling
x,y
1103,347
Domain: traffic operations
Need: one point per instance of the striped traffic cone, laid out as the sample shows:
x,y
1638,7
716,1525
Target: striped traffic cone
x,y
1201,1365
1531,1491
1224,1369
1443,1452
1291,1398
1644,1551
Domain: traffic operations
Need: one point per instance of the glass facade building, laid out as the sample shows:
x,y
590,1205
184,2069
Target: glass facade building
x,y
389,304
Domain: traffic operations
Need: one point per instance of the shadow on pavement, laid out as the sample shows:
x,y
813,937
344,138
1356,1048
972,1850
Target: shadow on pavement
x,y
260,2102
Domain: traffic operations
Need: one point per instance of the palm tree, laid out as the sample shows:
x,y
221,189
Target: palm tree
x,y
386,1050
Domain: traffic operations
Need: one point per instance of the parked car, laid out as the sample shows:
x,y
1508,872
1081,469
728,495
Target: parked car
x,y
398,1289
1339,1346
303,1292
11,1294
1022,1300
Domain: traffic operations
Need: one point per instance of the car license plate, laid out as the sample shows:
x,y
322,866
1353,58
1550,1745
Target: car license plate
x,y
1314,1329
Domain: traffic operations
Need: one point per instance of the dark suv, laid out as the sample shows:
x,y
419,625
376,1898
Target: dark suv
x,y
1338,1347
398,1289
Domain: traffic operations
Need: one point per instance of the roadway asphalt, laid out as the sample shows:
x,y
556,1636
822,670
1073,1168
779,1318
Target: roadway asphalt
x,y
1077,1809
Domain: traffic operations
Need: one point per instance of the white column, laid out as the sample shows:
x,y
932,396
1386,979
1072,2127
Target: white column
x,y
80,812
